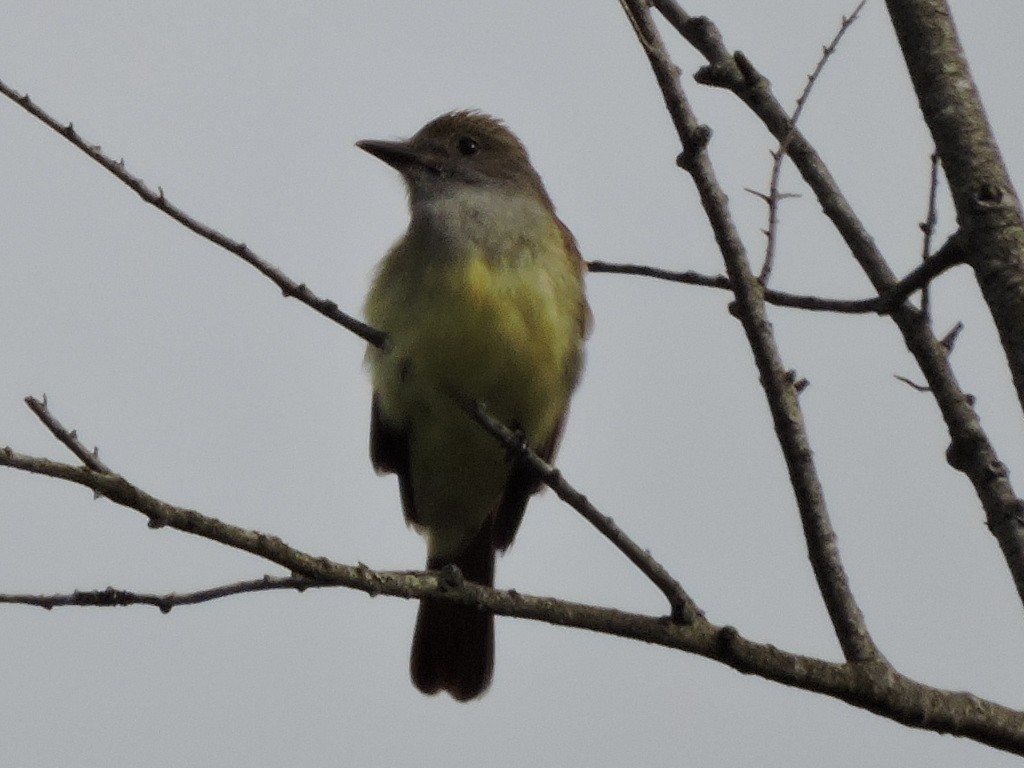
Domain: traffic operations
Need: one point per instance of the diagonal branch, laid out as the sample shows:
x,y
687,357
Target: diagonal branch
x,y
823,551
157,199
683,608
69,438
773,197
928,230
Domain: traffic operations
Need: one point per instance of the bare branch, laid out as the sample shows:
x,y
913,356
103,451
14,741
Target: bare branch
x,y
951,254
288,287
872,685
823,551
928,228
774,197
111,597
987,206
876,305
683,607
91,459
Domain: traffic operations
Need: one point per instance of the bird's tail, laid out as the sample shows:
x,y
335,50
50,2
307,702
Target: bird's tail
x,y
453,647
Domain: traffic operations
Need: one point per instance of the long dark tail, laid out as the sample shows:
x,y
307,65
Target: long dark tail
x,y
453,647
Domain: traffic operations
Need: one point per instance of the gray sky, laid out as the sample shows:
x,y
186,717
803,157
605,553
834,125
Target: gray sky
x,y
201,384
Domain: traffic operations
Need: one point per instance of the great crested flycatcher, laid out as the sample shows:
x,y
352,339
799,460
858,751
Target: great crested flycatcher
x,y
482,297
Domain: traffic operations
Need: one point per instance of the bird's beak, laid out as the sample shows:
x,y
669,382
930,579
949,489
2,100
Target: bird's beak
x,y
400,155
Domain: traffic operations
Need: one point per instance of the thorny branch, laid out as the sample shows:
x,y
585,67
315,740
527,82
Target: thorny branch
x,y
111,597
157,199
774,197
928,229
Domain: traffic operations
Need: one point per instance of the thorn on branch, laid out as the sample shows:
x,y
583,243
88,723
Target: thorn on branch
x,y
69,437
761,195
799,383
949,340
913,385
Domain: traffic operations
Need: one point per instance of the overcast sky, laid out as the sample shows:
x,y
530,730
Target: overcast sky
x,y
200,383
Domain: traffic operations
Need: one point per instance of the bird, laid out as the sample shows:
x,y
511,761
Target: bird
x,y
481,299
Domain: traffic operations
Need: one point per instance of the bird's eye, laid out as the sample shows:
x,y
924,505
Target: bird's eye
x,y
468,146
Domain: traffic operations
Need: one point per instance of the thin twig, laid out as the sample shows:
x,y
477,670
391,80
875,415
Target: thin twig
x,y
288,287
91,459
683,607
875,305
912,384
783,402
111,597
951,254
928,228
774,197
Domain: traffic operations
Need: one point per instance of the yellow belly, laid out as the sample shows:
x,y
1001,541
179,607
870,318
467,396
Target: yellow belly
x,y
504,334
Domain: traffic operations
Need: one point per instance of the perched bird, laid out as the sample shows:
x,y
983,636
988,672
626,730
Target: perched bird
x,y
481,297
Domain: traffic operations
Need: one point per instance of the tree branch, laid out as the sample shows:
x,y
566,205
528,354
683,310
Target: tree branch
x,y
987,206
873,686
823,551
928,230
69,438
111,597
950,255
773,197
970,450
683,607
288,287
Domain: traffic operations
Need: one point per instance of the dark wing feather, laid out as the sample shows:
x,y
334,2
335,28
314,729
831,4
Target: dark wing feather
x,y
389,452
